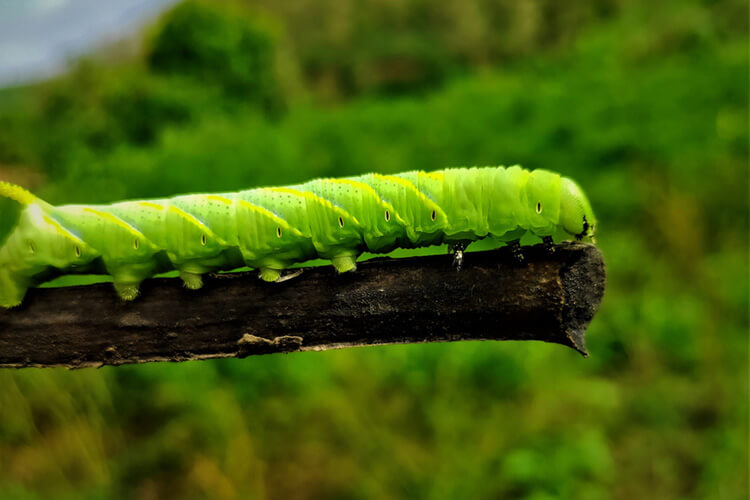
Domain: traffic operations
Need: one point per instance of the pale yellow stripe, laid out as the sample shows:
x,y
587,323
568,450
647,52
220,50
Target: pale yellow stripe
x,y
61,230
438,176
357,184
149,204
216,197
369,189
189,217
115,220
267,213
16,193
317,199
196,222
409,185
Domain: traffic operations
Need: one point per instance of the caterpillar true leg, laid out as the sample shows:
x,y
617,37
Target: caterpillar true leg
x,y
457,249
515,250
548,244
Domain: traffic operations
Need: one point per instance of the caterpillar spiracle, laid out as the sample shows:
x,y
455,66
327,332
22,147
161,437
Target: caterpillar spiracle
x,y
271,228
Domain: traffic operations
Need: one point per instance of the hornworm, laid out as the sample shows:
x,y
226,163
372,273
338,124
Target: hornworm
x,y
271,228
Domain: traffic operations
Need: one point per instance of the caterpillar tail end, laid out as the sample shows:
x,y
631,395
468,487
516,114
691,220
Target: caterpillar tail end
x,y
193,281
13,199
127,291
344,263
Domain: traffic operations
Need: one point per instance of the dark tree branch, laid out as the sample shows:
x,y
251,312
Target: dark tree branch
x,y
552,297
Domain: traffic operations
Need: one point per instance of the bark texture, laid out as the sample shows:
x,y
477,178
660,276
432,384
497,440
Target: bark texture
x,y
552,297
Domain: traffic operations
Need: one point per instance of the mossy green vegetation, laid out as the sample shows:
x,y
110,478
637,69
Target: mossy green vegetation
x,y
645,105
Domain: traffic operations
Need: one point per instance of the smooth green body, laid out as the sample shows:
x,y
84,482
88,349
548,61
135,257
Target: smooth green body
x,y
272,228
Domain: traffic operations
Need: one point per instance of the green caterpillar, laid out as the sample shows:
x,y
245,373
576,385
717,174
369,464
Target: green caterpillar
x,y
270,229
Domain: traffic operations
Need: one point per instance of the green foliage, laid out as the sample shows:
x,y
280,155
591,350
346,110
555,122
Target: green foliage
x,y
646,105
200,58
219,46
350,47
94,111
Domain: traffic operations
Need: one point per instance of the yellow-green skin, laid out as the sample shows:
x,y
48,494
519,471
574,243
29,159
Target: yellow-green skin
x,y
272,228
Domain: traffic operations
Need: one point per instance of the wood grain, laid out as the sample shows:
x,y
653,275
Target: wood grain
x,y
551,298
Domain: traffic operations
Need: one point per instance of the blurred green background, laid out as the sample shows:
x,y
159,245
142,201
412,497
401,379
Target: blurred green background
x,y
644,103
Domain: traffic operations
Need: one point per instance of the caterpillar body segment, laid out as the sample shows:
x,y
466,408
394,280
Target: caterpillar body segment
x,y
271,228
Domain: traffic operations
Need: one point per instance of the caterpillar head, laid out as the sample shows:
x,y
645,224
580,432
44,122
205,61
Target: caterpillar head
x,y
576,216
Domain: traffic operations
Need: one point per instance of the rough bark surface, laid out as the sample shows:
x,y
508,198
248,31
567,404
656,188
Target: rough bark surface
x,y
551,297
